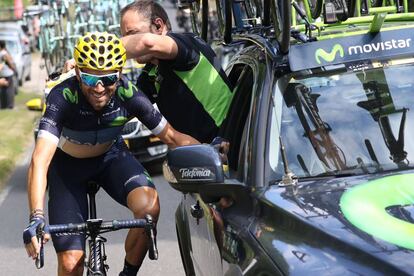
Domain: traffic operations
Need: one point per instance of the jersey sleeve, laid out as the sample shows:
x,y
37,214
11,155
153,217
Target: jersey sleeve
x,y
138,105
188,53
57,110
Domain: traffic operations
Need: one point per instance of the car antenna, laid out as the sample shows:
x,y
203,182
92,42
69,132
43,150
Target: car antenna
x,y
289,178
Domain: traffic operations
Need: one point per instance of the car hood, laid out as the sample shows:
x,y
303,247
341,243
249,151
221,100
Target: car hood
x,y
363,222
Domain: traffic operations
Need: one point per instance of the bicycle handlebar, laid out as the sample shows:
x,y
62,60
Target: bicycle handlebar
x,y
97,226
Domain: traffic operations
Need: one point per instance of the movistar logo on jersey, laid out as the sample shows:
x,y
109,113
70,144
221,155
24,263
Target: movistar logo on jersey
x,y
70,96
119,121
125,94
329,56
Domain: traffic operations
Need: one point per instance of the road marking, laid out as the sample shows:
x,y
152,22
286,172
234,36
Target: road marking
x,y
4,194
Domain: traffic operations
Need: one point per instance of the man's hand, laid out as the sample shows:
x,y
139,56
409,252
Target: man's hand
x,y
69,65
4,82
30,235
222,146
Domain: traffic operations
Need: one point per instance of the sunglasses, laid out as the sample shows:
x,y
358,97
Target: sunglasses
x,y
94,80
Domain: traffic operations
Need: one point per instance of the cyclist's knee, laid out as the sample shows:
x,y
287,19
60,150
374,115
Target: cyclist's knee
x,y
142,201
70,262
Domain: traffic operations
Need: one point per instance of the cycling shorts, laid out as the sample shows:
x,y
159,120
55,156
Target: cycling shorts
x,y
118,173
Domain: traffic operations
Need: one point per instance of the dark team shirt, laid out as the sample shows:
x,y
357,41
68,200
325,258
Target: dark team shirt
x,y
69,114
191,91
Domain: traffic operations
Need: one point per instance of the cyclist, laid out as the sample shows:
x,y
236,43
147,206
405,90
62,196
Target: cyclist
x,y
182,73
80,139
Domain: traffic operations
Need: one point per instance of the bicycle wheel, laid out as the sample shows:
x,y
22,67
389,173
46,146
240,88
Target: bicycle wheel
x,y
315,8
281,21
199,18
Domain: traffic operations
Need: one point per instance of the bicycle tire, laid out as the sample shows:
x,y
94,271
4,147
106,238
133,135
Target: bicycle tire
x,y
199,18
281,21
315,7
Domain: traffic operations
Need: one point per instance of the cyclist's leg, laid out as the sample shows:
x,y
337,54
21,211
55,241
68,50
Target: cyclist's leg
x,y
68,204
126,180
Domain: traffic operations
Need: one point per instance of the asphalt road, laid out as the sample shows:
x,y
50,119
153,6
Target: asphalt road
x,y
14,218
14,215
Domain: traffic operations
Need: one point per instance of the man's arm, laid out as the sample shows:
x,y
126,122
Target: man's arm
x,y
147,46
9,61
41,158
36,186
174,138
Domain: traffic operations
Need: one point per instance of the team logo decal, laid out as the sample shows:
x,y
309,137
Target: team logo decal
x,y
70,96
329,57
125,94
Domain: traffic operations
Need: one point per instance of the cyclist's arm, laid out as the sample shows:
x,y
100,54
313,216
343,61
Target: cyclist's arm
x,y
41,158
174,138
147,47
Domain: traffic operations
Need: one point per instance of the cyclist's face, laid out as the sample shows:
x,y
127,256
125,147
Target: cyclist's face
x,y
98,96
135,23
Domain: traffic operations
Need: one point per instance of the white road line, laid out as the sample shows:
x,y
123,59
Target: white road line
x,y
4,194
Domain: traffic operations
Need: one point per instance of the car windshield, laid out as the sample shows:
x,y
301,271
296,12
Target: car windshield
x,y
346,120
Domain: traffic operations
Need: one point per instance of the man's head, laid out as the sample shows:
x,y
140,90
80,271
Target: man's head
x,y
2,44
144,16
99,60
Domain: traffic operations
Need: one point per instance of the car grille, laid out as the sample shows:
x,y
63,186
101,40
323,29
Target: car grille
x,y
129,128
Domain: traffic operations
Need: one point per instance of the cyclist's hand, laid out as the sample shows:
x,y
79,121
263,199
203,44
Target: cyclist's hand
x,y
29,235
222,145
69,65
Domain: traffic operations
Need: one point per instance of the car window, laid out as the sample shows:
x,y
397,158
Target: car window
x,y
345,122
234,125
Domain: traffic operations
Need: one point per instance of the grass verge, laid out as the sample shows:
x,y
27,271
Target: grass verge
x,y
16,128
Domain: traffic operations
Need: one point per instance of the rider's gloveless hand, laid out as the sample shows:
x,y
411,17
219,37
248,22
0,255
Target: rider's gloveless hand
x,y
29,235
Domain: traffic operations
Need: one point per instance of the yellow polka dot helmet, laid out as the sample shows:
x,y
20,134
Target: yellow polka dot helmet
x,y
99,51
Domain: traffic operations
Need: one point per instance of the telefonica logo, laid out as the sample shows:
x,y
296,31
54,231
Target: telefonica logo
x,y
329,57
361,49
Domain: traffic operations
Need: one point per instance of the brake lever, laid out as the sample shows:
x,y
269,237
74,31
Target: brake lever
x,y
149,229
39,262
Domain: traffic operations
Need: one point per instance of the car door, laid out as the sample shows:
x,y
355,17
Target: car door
x,y
215,248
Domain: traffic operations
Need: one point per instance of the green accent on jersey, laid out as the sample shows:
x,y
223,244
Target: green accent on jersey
x,y
70,96
149,179
329,57
365,207
125,94
153,73
119,121
214,95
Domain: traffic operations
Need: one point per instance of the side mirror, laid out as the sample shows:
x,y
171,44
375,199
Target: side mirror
x,y
189,168
35,104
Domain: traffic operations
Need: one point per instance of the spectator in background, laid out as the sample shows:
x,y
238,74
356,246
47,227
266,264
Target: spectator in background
x,y
7,71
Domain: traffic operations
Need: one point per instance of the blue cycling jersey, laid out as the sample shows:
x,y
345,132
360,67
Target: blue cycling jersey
x,y
69,115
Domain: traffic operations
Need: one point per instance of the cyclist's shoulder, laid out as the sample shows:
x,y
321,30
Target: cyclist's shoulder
x,y
125,89
66,87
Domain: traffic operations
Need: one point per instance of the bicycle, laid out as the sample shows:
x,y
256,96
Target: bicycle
x,y
93,228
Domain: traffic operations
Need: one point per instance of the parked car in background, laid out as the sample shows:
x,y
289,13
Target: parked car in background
x,y
18,44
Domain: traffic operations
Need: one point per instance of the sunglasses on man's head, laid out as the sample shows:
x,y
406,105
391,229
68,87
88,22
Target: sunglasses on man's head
x,y
94,80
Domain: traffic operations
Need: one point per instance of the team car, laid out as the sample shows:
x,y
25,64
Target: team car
x,y
318,178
